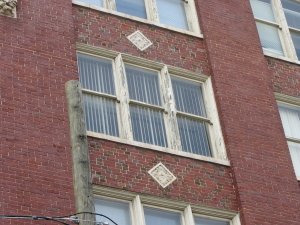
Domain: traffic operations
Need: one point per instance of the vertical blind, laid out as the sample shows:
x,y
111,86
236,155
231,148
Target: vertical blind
x,y
292,13
172,13
132,7
296,41
161,217
295,154
117,210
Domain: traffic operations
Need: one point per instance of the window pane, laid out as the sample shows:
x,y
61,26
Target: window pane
x,y
269,38
96,74
208,221
148,125
116,210
161,217
292,13
132,7
188,96
143,85
290,117
100,115
296,41
295,154
193,136
93,2
262,10
172,13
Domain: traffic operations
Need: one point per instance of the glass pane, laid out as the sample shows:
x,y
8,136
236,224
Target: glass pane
x,y
161,217
208,221
296,41
116,210
132,7
143,85
172,13
269,38
96,74
292,13
93,2
188,96
290,117
193,136
100,115
148,125
295,154
262,10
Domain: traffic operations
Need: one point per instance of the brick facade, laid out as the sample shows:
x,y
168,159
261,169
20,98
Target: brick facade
x,y
38,55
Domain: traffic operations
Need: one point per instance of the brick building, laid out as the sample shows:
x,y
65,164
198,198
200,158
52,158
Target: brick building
x,y
192,110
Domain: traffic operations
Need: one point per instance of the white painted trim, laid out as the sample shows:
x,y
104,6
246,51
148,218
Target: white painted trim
x,y
158,148
298,178
287,99
191,33
282,58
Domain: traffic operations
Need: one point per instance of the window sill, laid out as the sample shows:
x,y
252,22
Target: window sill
x,y
298,178
75,2
158,148
282,58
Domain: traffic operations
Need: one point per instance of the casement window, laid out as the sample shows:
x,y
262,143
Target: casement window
x,y
156,11
278,26
290,117
128,208
141,101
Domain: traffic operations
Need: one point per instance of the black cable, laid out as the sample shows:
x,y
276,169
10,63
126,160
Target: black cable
x,y
34,218
97,214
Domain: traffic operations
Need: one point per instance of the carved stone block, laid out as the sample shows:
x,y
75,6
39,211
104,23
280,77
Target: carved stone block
x,y
8,8
139,40
162,175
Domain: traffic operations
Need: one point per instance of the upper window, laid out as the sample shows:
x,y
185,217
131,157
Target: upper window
x,y
174,13
290,117
149,105
278,26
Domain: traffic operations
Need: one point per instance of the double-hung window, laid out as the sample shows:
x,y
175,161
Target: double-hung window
x,y
278,26
173,13
290,117
141,101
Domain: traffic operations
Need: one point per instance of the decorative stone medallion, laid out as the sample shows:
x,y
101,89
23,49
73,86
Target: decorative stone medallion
x,y
8,8
139,40
162,175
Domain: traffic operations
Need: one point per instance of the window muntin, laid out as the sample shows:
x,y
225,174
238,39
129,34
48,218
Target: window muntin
x,y
290,117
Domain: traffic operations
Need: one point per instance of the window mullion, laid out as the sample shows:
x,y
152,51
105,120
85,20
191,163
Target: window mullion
x,y
110,4
188,216
123,96
151,9
287,42
170,116
138,217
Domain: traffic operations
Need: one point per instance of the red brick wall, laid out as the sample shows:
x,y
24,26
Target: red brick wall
x,y
37,58
126,167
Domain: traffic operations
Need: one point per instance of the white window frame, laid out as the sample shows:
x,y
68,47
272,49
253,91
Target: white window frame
x,y
284,33
187,210
214,131
109,6
293,101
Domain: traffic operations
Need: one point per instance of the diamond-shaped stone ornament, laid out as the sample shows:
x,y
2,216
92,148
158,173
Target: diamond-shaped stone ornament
x,y
162,175
139,40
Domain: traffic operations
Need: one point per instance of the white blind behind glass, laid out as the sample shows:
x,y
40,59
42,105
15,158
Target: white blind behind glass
x,y
161,217
93,2
208,221
116,210
148,125
295,154
296,41
96,74
269,38
143,85
132,7
292,13
262,10
188,96
290,117
172,13
100,115
193,136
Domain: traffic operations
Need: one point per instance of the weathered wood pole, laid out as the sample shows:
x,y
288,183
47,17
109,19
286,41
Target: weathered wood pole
x,y
80,153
